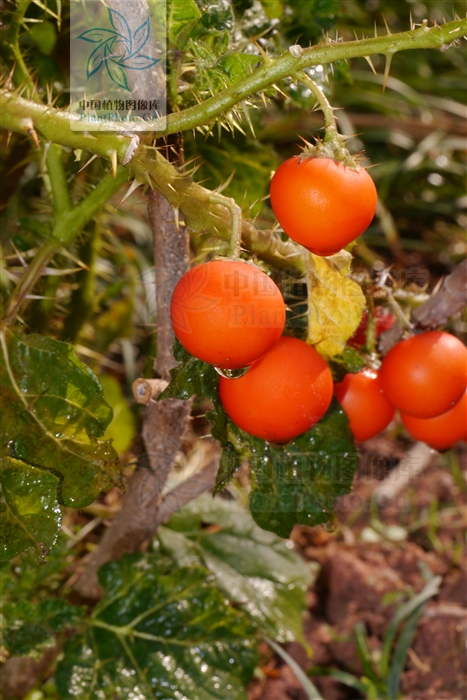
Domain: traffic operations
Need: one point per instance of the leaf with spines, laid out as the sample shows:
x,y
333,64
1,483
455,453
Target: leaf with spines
x,y
246,560
30,514
30,627
53,416
159,632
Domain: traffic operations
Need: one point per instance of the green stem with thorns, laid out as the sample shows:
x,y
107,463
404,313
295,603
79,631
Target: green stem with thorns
x,y
325,106
25,116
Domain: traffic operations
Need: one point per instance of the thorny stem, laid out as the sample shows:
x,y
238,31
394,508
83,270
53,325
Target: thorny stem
x,y
21,73
435,37
21,116
59,188
148,165
322,100
236,214
333,145
29,279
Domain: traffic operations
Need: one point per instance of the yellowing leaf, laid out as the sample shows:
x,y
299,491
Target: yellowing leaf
x,y
335,303
122,428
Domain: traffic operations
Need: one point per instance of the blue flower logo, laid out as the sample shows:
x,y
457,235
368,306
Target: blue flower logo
x,y
118,49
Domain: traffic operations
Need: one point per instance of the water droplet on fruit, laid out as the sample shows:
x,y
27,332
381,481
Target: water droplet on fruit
x,y
331,526
232,373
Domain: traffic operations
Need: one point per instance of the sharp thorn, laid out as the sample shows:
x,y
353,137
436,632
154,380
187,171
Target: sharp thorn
x,y
386,25
260,49
134,185
33,134
114,161
87,163
387,68
177,218
370,62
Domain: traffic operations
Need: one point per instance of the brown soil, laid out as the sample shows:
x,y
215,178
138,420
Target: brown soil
x,y
366,581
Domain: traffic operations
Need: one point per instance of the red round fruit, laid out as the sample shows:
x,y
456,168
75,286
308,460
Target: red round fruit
x,y
384,320
440,432
425,375
322,204
367,408
228,313
282,395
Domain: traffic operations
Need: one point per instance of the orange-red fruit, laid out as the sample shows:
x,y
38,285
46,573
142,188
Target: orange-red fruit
x,y
367,408
282,395
228,313
322,204
440,432
426,374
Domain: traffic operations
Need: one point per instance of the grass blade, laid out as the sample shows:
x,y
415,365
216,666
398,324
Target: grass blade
x,y
364,653
431,589
307,685
340,676
400,653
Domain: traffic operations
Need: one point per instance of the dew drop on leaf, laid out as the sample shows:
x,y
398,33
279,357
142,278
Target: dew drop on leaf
x,y
232,373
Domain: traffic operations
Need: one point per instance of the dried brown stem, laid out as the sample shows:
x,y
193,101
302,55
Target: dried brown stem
x,y
164,423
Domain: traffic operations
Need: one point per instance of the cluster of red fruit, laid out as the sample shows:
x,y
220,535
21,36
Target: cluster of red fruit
x,y
425,378
232,315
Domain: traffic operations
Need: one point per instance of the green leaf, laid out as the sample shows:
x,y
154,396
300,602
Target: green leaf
x,y
239,65
295,483
254,568
30,515
44,34
159,633
348,361
183,16
28,573
192,377
299,483
54,413
28,628
230,461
